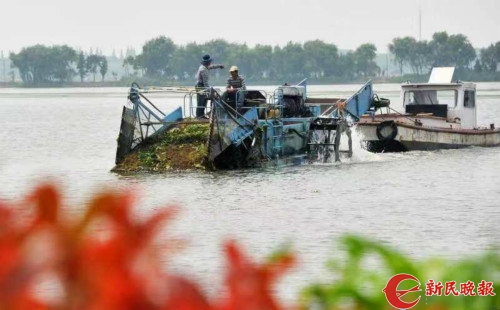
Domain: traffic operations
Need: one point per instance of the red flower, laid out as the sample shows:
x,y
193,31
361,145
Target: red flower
x,y
106,259
250,285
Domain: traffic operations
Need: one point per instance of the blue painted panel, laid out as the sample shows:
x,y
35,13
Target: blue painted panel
x,y
315,110
174,116
360,102
237,135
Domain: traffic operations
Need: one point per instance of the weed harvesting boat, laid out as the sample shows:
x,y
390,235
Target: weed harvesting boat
x,y
280,128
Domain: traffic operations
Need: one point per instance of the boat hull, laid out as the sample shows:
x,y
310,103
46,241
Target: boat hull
x,y
417,138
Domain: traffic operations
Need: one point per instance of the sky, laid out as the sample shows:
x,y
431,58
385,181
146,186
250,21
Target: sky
x,y
114,25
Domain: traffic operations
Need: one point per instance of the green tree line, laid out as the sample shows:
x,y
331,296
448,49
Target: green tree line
x,y
42,65
162,61
443,50
91,64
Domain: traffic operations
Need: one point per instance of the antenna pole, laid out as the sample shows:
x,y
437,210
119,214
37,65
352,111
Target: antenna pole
x,y
420,21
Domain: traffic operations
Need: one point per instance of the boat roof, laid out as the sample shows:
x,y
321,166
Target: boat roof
x,y
440,85
441,77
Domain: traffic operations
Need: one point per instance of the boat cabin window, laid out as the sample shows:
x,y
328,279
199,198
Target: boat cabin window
x,y
430,97
469,98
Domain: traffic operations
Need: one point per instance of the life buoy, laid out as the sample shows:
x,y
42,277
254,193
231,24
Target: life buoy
x,y
387,130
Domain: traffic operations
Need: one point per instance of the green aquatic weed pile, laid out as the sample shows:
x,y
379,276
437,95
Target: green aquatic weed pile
x,y
180,148
359,277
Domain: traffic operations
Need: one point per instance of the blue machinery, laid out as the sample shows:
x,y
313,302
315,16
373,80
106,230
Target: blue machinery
x,y
285,127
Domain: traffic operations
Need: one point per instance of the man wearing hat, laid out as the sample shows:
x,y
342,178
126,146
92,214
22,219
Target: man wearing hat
x,y
202,77
234,84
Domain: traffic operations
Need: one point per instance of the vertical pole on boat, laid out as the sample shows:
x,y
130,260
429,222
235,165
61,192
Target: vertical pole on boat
x,y
326,146
211,129
349,141
336,146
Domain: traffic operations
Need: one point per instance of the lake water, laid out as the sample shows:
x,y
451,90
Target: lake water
x,y
441,203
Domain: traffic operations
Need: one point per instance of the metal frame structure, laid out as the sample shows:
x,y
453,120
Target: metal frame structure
x,y
242,135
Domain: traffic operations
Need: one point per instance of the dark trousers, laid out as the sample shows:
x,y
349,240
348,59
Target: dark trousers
x,y
202,104
230,98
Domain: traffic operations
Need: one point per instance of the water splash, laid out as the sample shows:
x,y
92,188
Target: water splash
x,y
359,153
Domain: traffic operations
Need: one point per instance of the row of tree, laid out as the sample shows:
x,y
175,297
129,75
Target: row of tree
x,y
90,64
443,50
40,64
490,58
161,59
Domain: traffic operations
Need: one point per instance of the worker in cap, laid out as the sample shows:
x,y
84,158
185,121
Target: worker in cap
x,y
202,83
235,87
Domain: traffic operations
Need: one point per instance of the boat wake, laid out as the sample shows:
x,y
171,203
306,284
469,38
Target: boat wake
x,y
360,155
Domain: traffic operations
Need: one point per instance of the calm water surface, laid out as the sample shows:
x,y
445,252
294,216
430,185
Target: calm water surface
x,y
442,203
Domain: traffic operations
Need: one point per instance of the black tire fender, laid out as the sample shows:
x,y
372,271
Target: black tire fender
x,y
387,137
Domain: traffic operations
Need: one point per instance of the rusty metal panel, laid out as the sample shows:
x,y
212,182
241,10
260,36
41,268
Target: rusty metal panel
x,y
126,136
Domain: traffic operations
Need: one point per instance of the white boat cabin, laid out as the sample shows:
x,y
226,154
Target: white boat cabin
x,y
452,103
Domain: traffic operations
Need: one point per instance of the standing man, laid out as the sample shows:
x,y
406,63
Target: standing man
x,y
202,77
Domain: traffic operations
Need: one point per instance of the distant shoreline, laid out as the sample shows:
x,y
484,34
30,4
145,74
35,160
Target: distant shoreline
x,y
221,81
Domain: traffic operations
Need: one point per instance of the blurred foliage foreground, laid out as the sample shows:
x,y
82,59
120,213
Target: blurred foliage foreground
x,y
106,258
